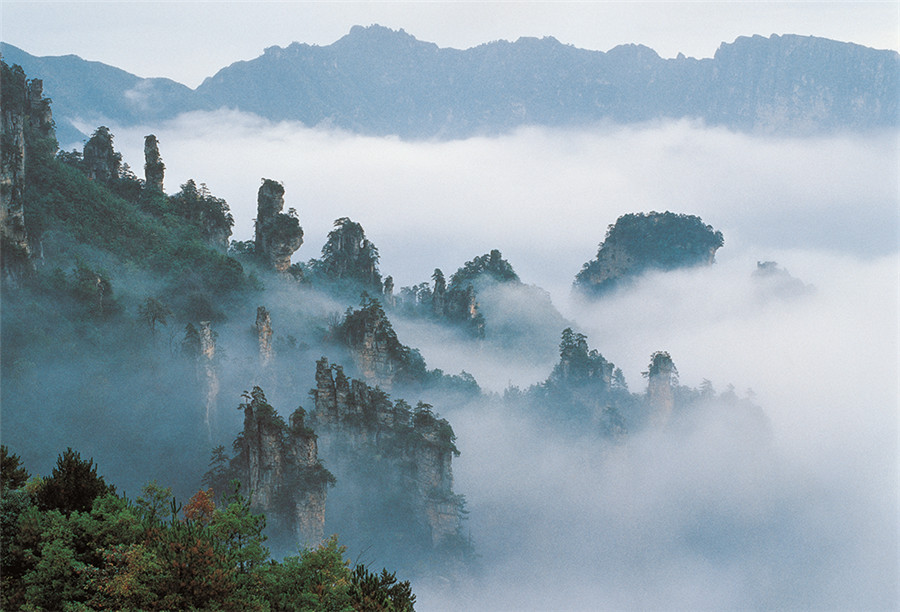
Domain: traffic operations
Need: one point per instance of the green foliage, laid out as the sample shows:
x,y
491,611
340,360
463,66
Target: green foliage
x,y
73,486
153,311
12,474
490,266
348,257
209,214
137,228
380,592
661,364
662,241
127,555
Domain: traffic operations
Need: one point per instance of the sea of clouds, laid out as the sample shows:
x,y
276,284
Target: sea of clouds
x,y
708,516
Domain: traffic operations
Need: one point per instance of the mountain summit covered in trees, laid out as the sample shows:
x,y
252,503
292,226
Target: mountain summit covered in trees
x,y
379,81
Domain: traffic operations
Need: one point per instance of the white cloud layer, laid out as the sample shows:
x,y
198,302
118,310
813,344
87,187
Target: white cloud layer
x,y
711,516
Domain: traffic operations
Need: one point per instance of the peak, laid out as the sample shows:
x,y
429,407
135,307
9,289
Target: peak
x,y
376,32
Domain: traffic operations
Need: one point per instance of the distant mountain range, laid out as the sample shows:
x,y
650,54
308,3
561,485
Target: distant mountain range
x,y
379,81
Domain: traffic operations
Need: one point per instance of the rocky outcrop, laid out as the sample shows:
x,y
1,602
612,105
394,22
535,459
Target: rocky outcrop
x,y
377,354
639,242
349,259
211,216
101,161
206,372
279,465
660,389
412,448
278,235
389,299
24,114
154,168
264,335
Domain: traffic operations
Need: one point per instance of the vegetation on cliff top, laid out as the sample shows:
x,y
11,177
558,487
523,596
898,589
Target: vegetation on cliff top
x,y
642,241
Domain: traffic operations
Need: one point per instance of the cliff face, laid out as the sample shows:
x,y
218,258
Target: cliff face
x,y
660,389
101,161
264,335
278,235
206,372
279,464
407,452
24,114
154,168
377,353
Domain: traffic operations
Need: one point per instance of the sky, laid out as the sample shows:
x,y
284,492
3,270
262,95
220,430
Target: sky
x,y
189,41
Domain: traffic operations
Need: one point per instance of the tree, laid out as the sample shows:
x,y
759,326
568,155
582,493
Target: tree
x,y
73,486
12,475
153,311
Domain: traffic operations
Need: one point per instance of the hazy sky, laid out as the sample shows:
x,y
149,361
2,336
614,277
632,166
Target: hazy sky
x,y
188,41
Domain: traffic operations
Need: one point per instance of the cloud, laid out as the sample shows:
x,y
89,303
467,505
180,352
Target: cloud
x,y
543,197
709,516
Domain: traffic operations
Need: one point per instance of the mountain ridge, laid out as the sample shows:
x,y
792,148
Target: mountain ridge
x,y
379,81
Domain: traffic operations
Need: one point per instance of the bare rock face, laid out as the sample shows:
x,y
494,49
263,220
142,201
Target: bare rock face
x,y
660,391
23,108
12,182
206,370
389,298
278,235
410,450
154,168
280,466
264,334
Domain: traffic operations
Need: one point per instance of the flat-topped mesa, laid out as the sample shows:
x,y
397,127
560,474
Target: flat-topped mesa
x,y
154,168
640,242
279,465
662,376
278,235
264,335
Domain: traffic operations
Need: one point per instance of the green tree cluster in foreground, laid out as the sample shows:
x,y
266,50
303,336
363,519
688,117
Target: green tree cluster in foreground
x,y
70,542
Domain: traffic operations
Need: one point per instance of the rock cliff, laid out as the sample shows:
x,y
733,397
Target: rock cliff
x,y
639,242
101,161
154,168
278,463
25,118
377,354
264,335
278,235
389,450
662,377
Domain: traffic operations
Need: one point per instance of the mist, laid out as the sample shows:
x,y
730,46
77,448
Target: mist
x,y
709,513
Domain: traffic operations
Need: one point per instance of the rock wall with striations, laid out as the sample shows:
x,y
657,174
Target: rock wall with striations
x,y
412,448
24,114
278,463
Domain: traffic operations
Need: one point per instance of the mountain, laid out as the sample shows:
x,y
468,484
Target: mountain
x,y
95,93
379,81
